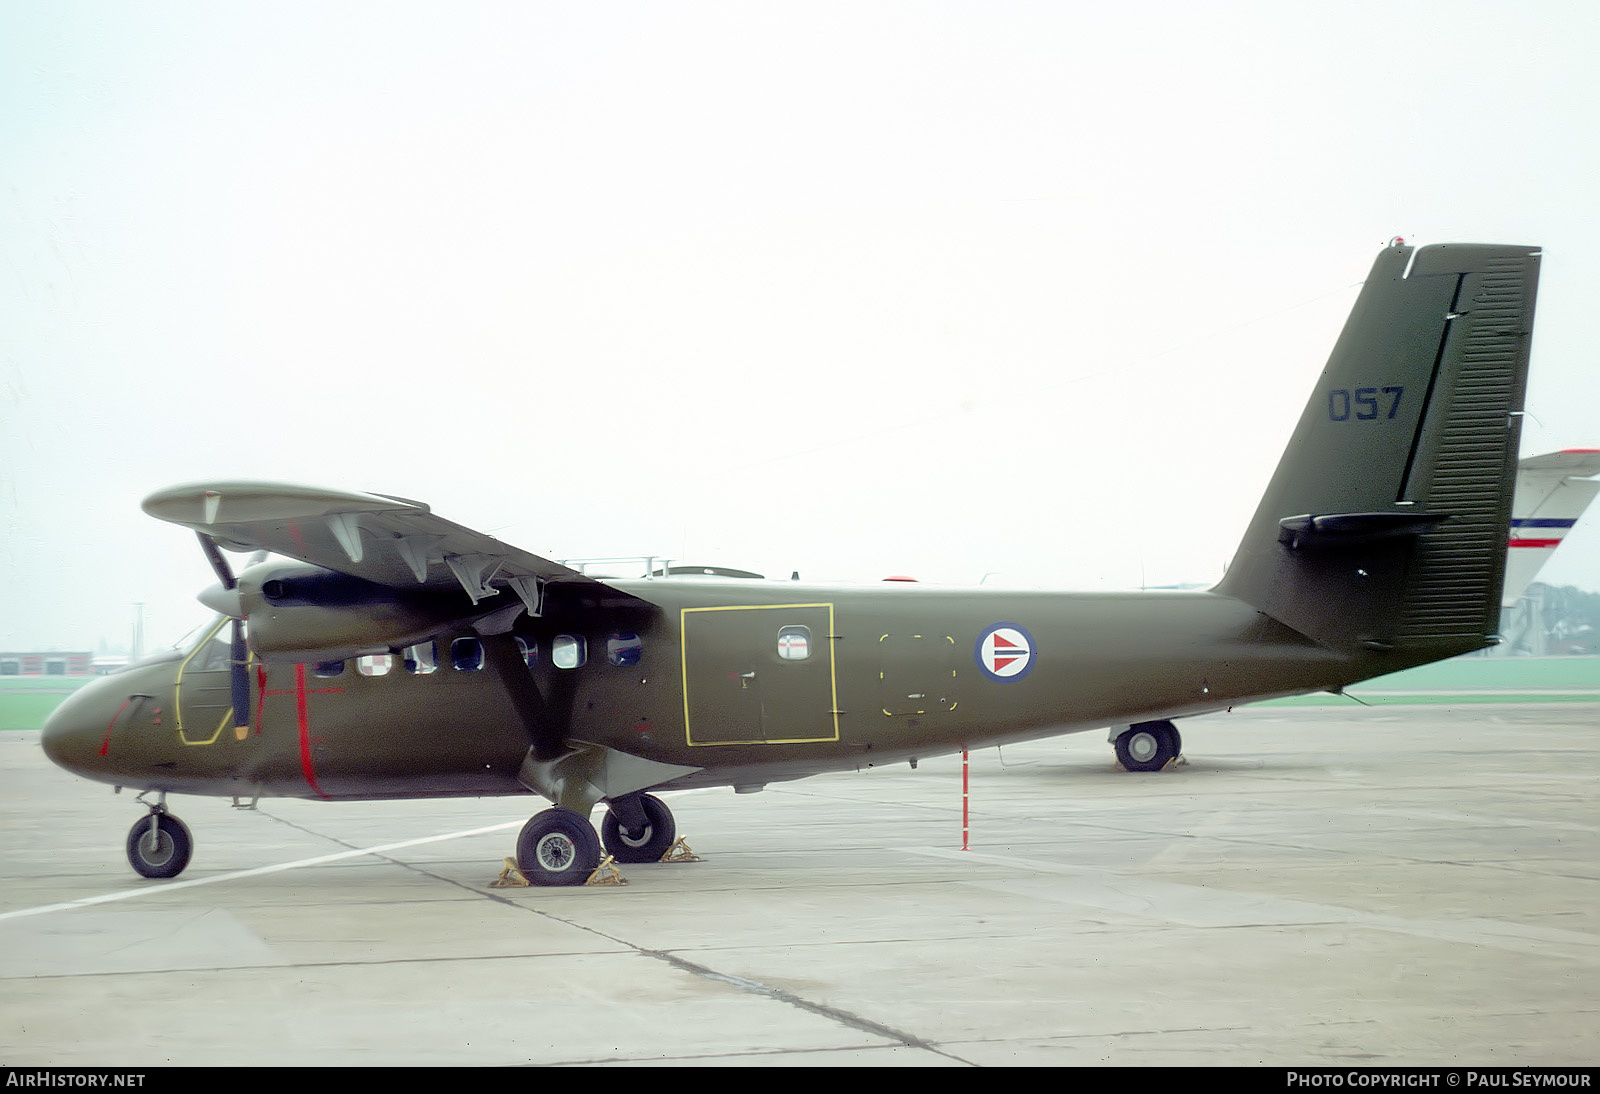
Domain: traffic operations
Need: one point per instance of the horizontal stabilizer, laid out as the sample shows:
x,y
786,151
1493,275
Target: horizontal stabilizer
x,y
1340,529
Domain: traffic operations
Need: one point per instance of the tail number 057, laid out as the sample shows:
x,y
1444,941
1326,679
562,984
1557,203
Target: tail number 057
x,y
1364,404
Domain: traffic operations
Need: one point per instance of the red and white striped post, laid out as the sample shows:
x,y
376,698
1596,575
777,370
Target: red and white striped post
x,y
965,823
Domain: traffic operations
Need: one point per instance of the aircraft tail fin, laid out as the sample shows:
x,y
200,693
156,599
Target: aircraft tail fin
x,y
1385,524
1552,493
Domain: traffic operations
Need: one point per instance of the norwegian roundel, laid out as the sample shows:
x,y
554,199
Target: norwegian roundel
x,y
1005,652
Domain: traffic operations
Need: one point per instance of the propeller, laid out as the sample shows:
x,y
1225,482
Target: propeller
x,y
225,599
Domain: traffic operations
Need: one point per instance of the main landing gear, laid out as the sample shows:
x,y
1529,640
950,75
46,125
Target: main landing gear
x,y
638,828
1148,746
560,847
159,845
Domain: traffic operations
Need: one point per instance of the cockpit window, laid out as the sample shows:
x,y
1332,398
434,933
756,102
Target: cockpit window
x,y
214,654
216,651
198,634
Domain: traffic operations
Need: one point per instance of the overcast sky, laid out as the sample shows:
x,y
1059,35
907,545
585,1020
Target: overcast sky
x,y
1031,290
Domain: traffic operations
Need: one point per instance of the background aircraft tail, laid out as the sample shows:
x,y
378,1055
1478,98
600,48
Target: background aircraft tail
x,y
1552,492
1384,527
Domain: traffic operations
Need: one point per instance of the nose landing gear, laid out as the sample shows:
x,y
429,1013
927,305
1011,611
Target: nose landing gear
x,y
159,845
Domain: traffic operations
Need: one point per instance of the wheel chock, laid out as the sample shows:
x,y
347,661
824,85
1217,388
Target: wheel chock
x,y
679,852
607,873
510,877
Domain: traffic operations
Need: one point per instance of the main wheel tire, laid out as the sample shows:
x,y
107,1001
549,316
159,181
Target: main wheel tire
x,y
646,845
1148,746
163,853
558,847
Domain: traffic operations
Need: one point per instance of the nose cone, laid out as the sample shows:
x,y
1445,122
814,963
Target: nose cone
x,y
75,732
228,602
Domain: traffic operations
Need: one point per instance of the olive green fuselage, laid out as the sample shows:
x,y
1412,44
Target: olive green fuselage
x,y
744,682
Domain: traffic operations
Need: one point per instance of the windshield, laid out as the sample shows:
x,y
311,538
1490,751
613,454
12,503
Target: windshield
x,y
197,634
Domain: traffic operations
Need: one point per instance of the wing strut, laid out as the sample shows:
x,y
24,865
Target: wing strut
x,y
502,656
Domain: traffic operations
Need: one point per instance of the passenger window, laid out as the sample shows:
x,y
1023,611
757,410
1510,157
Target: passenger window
x,y
421,659
569,651
466,655
794,643
529,650
624,649
375,664
326,669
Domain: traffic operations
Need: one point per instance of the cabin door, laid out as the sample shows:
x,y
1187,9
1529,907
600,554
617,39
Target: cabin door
x,y
203,695
760,674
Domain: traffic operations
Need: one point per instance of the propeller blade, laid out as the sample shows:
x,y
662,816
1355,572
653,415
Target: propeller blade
x,y
218,563
239,659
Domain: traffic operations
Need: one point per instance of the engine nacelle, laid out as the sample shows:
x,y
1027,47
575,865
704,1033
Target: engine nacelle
x,y
297,612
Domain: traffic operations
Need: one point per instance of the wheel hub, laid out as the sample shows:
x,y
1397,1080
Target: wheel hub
x,y
157,849
555,851
1142,746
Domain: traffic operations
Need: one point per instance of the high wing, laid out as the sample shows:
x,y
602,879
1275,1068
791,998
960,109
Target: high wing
x,y
387,540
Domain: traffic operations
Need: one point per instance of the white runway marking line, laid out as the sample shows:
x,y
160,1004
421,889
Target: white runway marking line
x,y
156,888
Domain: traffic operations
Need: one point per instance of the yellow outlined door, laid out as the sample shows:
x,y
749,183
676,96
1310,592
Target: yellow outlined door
x,y
203,691
759,674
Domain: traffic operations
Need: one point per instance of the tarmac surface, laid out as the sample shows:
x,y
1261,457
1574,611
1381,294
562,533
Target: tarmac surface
x,y
1340,886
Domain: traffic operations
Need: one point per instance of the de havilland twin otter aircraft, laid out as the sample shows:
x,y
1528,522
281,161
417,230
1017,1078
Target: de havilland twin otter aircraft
x,y
404,656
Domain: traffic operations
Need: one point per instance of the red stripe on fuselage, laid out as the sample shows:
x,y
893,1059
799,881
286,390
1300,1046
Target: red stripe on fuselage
x,y
105,745
261,700
302,719
1533,543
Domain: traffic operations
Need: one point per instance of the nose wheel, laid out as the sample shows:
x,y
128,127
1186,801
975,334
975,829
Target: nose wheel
x,y
159,845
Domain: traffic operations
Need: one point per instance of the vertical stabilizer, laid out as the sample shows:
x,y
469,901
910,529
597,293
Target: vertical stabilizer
x,y
1385,524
